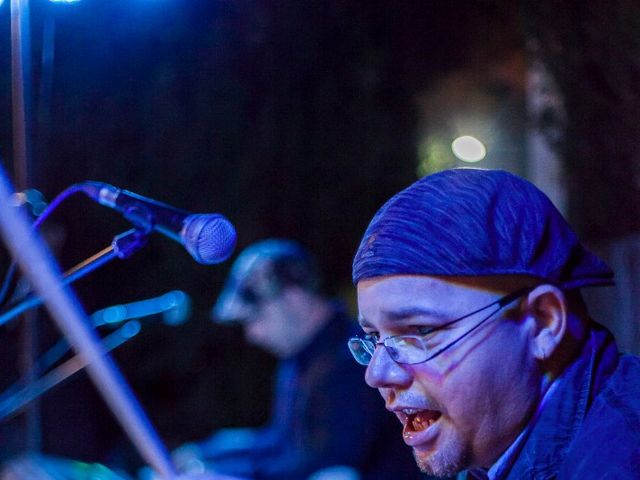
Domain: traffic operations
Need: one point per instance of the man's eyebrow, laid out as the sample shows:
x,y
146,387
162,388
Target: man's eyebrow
x,y
408,313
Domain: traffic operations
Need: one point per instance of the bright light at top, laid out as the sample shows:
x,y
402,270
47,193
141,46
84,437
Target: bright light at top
x,y
468,149
61,1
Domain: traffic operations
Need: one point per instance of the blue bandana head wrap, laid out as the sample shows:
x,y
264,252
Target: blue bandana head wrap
x,y
472,222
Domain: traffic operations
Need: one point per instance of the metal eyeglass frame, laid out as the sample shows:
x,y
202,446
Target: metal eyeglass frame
x,y
368,343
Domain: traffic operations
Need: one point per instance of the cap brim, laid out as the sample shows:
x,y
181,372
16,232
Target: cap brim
x,y
230,306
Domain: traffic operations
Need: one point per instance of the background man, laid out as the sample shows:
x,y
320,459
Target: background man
x,y
478,340
322,414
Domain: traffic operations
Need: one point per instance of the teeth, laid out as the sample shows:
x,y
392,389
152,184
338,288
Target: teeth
x,y
410,411
420,423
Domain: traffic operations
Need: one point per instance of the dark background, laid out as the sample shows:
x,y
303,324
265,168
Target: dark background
x,y
293,119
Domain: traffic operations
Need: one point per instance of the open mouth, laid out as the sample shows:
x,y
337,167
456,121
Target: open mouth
x,y
416,423
422,420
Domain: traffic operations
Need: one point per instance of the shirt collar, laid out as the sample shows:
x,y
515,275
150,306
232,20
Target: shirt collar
x,y
507,459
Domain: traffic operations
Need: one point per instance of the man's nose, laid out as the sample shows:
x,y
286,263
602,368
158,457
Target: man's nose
x,y
383,372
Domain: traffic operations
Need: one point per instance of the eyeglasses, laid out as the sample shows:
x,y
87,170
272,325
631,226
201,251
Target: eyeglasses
x,y
412,349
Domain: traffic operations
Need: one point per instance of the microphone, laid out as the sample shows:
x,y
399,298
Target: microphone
x,y
174,306
209,238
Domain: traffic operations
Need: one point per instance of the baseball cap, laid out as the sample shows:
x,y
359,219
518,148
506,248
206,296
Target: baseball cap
x,y
260,272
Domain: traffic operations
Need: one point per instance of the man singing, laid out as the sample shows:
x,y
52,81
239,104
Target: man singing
x,y
476,335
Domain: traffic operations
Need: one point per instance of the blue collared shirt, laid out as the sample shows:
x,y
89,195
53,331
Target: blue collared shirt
x,y
588,425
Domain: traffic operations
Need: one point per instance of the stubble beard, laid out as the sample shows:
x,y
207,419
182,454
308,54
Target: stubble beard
x,y
444,462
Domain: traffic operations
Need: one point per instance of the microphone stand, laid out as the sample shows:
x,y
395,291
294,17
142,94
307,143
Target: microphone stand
x,y
40,267
123,246
15,397
24,396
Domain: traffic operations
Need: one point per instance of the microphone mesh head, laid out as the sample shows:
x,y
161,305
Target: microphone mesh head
x,y
209,238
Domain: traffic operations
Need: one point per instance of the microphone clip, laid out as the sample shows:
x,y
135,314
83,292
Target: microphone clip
x,y
129,242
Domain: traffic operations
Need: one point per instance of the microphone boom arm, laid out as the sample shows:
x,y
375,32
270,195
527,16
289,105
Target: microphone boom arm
x,y
16,401
123,246
38,265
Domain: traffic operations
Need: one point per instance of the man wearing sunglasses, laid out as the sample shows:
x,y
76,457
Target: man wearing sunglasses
x,y
476,335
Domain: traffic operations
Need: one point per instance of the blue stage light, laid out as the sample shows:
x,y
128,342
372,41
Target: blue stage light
x,y
63,1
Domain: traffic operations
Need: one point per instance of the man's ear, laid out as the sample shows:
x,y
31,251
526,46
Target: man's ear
x,y
547,307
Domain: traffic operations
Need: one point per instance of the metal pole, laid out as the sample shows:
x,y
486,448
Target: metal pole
x,y
21,91
21,123
42,271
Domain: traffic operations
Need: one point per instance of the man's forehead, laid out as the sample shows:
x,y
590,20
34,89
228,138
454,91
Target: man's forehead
x,y
396,298
433,284
405,297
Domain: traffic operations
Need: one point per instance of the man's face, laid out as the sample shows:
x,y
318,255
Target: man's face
x,y
463,408
270,326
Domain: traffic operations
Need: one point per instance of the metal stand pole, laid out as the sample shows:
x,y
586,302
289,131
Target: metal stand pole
x,y
43,273
21,121
21,91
